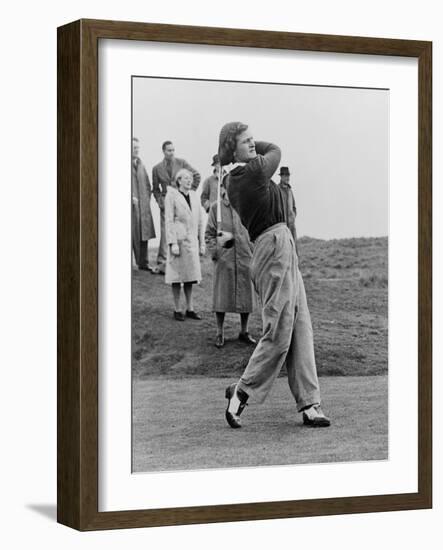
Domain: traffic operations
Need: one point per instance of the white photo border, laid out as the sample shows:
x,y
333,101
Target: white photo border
x,y
119,489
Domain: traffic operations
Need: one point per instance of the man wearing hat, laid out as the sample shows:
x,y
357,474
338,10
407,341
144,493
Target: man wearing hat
x,y
209,189
288,201
287,329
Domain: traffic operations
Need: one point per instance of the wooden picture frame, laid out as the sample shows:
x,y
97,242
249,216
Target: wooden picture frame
x,y
77,456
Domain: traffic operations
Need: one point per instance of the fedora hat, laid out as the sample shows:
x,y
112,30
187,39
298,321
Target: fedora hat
x,y
284,171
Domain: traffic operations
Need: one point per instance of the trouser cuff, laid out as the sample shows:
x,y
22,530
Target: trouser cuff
x,y
308,401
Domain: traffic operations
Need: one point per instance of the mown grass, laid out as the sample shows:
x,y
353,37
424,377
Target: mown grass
x,y
171,433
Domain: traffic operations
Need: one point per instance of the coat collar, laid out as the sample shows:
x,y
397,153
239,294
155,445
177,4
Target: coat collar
x,y
181,197
233,166
164,168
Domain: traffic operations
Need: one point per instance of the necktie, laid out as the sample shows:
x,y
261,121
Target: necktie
x,y
169,169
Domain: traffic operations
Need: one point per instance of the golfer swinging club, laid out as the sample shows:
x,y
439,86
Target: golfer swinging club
x,y
287,330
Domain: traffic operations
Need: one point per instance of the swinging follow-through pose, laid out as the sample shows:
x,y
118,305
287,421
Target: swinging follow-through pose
x,y
287,329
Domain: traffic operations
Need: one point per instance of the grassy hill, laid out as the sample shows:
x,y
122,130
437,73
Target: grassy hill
x,y
347,288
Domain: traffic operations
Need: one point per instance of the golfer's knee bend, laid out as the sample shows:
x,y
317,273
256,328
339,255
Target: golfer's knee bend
x,y
277,338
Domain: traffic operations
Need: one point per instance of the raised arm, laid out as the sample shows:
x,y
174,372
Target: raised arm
x,y
195,175
267,159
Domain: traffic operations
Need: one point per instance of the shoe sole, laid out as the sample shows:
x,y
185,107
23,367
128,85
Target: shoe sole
x,y
193,318
319,423
248,342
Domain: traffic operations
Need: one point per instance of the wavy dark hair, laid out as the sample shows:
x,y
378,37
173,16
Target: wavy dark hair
x,y
228,141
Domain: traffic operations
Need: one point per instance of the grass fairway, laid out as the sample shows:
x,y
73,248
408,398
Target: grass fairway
x,y
180,425
179,377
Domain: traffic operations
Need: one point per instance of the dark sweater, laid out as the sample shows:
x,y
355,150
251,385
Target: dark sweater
x,y
255,197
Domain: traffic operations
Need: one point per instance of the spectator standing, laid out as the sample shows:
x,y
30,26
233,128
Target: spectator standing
x,y
163,176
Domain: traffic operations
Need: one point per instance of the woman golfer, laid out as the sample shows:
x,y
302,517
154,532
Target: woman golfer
x,y
287,330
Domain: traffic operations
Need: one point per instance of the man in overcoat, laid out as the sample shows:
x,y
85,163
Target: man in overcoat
x,y
142,222
163,176
288,201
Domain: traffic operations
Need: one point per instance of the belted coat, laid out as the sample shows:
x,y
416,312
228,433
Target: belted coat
x,y
232,286
183,226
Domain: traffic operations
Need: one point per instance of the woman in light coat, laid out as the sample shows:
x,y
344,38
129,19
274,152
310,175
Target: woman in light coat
x,y
185,240
232,285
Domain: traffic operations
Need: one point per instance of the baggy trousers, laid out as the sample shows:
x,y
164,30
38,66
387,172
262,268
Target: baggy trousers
x,y
287,329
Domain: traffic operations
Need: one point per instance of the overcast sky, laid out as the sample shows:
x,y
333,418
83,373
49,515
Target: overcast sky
x,y
334,140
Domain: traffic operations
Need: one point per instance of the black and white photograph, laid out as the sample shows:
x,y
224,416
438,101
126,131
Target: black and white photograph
x,y
221,333
260,235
